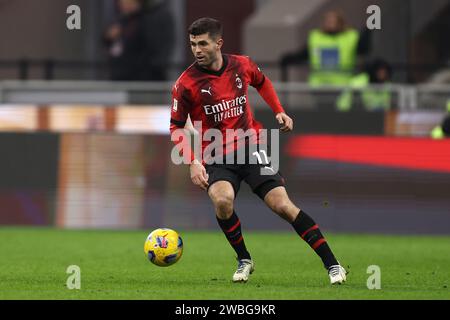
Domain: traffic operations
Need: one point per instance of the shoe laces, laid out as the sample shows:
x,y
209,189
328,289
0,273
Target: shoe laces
x,y
241,266
334,270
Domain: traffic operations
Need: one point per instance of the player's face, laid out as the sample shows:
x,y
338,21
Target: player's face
x,y
205,49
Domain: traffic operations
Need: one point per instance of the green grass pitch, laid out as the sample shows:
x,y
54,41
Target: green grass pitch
x,y
113,265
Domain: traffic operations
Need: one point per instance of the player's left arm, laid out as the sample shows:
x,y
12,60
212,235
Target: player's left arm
x,y
268,93
266,90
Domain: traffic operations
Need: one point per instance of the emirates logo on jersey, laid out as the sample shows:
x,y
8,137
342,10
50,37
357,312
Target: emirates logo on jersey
x,y
238,82
226,108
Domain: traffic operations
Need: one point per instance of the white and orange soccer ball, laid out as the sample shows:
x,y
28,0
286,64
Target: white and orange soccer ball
x,y
163,247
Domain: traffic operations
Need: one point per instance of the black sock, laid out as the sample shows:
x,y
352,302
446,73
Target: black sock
x,y
232,230
309,231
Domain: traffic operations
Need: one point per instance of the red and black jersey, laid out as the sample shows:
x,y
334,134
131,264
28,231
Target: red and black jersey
x,y
219,99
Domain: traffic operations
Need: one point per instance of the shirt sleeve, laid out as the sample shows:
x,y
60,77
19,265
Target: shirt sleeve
x,y
180,105
178,117
255,74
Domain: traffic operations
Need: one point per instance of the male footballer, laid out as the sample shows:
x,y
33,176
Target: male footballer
x,y
214,91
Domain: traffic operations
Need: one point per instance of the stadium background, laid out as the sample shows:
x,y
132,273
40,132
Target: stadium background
x,y
86,174
79,151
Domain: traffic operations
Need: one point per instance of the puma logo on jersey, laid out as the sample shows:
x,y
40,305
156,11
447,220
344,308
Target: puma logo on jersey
x,y
207,91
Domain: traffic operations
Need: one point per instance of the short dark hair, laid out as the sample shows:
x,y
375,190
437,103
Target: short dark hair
x,y
206,25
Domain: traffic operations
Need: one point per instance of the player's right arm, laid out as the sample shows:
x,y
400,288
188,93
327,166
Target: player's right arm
x,y
178,118
199,176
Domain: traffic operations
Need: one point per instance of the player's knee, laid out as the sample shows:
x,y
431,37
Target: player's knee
x,y
281,207
277,203
224,204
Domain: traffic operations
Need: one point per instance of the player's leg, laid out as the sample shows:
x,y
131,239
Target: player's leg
x,y
278,200
222,194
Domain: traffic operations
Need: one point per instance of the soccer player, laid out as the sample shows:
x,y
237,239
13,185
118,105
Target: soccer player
x,y
213,90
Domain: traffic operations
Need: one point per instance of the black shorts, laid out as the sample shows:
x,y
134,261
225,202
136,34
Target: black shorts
x,y
260,183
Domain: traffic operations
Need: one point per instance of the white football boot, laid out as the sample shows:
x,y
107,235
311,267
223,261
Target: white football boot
x,y
245,268
337,274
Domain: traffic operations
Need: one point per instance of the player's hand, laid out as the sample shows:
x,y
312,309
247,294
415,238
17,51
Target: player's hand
x,y
198,174
285,121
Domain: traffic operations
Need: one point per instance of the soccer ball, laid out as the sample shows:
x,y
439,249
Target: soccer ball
x,y
163,247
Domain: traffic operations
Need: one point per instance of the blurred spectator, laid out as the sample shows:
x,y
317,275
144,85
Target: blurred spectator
x,y
331,51
377,97
140,41
443,131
